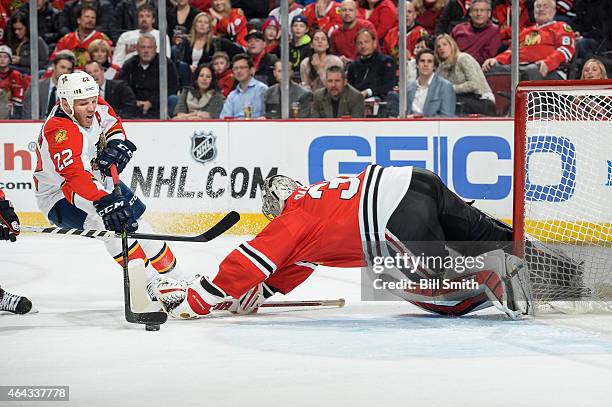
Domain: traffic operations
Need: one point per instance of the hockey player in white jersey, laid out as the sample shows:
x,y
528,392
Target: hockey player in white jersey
x,y
80,140
348,222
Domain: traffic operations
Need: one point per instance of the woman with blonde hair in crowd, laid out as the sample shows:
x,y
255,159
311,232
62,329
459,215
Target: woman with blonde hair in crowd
x,y
473,92
229,22
101,52
594,69
428,12
204,100
197,47
313,68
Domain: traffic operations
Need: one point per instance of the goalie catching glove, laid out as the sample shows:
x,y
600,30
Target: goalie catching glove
x,y
9,222
118,152
116,212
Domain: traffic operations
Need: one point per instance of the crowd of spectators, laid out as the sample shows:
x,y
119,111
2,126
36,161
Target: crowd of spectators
x,y
224,55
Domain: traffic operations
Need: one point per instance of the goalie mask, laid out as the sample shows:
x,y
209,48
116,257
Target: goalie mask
x,y
276,190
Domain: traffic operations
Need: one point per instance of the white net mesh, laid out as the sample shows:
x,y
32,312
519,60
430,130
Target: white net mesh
x,y
568,194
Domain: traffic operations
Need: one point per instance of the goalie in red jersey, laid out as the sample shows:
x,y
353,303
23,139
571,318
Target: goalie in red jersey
x,y
349,222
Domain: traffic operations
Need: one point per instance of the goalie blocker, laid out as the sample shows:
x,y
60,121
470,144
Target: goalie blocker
x,y
328,222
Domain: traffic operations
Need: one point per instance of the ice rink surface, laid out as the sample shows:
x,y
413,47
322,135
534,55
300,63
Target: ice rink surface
x,y
365,354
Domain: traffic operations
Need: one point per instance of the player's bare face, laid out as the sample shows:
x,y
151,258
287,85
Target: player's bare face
x,y
319,42
335,83
592,70
145,21
84,110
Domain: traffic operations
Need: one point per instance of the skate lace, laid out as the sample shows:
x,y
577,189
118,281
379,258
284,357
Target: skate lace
x,y
9,302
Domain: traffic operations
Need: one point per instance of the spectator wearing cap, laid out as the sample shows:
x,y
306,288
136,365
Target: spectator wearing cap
x,y
271,31
78,41
231,22
381,13
248,96
373,73
263,62
300,42
13,82
294,9
68,18
63,63
300,98
343,38
323,14
478,36
338,98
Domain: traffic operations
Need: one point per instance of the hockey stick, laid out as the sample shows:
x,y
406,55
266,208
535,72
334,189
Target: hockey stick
x,y
152,320
219,228
312,303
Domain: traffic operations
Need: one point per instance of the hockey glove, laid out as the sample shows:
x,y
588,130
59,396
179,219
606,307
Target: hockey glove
x,y
117,152
251,300
9,222
116,212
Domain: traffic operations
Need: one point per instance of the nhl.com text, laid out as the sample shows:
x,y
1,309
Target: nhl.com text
x,y
411,264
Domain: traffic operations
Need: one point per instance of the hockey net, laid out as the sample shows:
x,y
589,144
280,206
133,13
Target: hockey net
x,y
563,192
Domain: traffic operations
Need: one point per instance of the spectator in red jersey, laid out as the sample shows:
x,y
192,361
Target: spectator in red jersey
x,y
478,36
180,18
323,14
230,22
101,52
11,6
19,41
343,38
502,13
294,9
545,46
428,12
223,73
300,42
13,82
313,68
373,73
68,18
79,40
271,31
381,13
202,5
455,12
3,24
414,33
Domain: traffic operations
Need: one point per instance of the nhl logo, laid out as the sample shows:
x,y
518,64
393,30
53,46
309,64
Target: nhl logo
x,y
203,147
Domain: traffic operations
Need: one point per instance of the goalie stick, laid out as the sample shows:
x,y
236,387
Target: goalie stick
x,y
219,228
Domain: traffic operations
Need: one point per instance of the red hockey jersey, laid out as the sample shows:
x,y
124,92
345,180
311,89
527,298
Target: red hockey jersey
x,y
79,46
328,22
15,85
391,43
234,27
383,17
66,154
553,42
326,223
3,24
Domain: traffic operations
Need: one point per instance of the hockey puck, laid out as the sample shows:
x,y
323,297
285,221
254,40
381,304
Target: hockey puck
x,y
153,327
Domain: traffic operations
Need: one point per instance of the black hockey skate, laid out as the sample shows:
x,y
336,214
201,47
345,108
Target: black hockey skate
x,y
14,303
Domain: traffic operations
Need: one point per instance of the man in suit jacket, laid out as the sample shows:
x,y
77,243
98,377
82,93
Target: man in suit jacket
x,y
117,93
430,95
338,98
62,63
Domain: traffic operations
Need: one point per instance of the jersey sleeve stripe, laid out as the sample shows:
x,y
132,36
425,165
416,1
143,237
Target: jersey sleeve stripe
x,y
306,264
257,258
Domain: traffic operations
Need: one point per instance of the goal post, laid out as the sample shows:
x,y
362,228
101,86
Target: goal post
x,y
562,207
